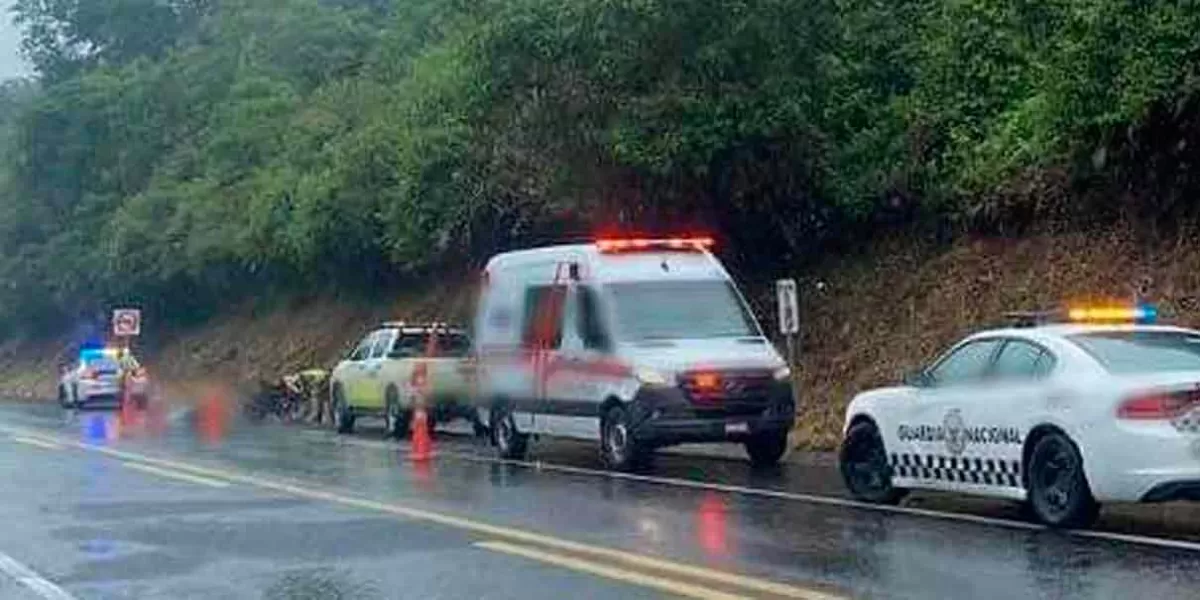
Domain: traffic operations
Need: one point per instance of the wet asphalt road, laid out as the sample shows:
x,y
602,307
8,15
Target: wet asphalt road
x,y
285,512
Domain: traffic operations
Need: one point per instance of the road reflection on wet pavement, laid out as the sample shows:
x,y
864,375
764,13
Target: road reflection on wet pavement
x,y
840,549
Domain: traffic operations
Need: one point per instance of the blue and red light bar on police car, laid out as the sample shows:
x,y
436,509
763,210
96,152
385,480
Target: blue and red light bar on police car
x,y
651,244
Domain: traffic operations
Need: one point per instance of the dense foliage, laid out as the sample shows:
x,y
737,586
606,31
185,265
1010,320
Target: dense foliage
x,y
182,153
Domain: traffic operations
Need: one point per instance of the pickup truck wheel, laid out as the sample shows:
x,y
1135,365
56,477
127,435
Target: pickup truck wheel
x,y
510,443
765,449
394,416
343,416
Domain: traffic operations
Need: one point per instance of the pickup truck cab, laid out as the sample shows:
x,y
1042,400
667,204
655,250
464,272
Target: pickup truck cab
x,y
397,365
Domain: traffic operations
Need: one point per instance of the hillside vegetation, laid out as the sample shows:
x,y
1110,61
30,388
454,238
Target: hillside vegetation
x,y
184,155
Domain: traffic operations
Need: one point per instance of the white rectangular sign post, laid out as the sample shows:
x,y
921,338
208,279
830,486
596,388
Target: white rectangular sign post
x,y
127,322
789,315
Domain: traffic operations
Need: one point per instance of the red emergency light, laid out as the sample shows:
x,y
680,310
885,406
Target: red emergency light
x,y
647,244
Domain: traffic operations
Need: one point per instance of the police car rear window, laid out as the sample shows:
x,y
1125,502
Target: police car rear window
x,y
101,364
1127,352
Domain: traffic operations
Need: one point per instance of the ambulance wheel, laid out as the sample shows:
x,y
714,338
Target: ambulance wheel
x,y
343,417
395,418
765,450
619,448
510,443
865,468
1058,491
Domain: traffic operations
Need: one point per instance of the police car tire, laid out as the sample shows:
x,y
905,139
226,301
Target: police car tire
x,y
510,443
343,417
617,427
765,450
1079,508
864,437
63,399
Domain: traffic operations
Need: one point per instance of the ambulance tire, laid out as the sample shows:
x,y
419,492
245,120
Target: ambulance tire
x,y
510,443
343,416
1058,491
765,450
620,449
395,417
864,466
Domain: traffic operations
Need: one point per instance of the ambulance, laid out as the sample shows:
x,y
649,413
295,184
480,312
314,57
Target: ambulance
x,y
636,344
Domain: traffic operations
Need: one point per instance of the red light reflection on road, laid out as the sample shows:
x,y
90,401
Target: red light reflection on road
x,y
712,524
212,417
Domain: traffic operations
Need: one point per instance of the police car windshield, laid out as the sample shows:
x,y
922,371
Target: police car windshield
x,y
673,310
1128,352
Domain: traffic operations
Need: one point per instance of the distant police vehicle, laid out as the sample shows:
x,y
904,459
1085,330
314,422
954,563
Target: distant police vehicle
x,y
101,377
636,343
1102,406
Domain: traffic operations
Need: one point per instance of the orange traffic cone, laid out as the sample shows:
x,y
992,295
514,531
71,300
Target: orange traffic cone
x,y
422,443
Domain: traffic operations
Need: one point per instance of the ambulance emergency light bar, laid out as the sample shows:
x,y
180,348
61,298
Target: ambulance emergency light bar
x,y
647,244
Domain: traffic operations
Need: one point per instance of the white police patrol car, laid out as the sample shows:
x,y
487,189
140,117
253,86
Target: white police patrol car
x,y
1064,416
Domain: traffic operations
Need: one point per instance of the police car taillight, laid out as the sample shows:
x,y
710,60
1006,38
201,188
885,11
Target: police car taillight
x,y
647,245
1156,406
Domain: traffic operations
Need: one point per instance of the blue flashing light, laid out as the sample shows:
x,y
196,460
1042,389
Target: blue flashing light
x,y
1146,314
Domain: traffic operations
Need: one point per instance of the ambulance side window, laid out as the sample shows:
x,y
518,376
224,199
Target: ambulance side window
x,y
542,326
591,328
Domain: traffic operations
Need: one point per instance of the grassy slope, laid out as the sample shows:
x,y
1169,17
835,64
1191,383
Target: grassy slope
x,y
877,316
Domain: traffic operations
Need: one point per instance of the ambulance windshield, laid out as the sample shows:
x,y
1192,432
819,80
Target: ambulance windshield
x,y
673,310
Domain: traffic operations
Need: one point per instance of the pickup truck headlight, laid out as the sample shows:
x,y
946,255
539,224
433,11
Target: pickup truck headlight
x,y
648,376
783,373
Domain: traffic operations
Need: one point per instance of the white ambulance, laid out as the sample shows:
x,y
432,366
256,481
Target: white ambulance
x,y
637,344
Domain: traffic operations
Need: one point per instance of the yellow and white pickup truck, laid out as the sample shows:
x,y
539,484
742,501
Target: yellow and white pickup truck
x,y
395,366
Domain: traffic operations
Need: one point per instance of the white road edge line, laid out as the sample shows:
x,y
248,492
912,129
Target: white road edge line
x,y
40,443
30,579
798,497
177,475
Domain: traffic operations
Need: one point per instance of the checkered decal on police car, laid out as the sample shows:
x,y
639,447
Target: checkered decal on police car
x,y
958,469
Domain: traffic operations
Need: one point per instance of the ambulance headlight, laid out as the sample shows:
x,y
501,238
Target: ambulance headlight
x,y
648,376
783,373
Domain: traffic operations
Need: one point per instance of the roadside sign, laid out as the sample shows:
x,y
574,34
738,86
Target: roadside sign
x,y
127,322
789,310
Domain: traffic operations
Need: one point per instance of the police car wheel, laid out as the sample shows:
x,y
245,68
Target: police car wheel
x,y
1058,494
63,399
395,417
343,417
510,443
619,447
865,468
765,450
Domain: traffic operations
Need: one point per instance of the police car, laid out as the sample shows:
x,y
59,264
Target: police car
x,y
1061,413
101,377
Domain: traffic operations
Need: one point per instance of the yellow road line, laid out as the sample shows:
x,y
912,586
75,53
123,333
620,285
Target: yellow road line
x,y
300,489
670,586
44,444
177,475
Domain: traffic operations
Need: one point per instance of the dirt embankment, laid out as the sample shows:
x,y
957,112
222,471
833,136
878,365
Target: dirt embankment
x,y
875,316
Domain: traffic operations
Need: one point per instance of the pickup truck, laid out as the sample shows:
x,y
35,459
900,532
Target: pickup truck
x,y
395,366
